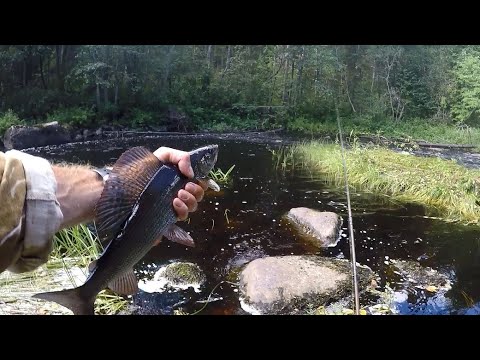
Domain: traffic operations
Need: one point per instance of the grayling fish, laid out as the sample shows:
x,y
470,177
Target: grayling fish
x,y
135,210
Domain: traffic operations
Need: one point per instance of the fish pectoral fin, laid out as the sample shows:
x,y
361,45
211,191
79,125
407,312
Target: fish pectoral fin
x,y
178,235
92,266
127,284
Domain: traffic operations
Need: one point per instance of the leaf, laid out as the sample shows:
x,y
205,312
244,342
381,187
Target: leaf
x,y
431,288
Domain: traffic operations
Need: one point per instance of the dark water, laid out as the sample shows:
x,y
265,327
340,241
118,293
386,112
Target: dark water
x,y
244,222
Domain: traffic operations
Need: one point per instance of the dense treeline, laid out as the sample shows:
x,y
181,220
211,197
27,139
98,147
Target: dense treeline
x,y
235,85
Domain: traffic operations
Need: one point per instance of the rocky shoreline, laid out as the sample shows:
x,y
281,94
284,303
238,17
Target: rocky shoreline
x,y
21,137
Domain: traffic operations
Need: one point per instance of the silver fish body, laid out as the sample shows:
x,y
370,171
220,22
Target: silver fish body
x,y
134,211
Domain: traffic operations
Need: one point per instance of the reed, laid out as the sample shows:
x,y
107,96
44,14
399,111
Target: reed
x,y
446,189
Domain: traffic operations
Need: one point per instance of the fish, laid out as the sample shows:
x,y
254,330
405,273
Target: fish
x,y
134,211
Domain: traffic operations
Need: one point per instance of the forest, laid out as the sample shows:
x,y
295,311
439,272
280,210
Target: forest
x,y
242,87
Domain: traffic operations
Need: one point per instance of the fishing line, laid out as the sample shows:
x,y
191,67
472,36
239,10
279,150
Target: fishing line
x,y
211,292
350,223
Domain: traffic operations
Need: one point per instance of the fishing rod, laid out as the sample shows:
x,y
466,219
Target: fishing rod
x,y
350,223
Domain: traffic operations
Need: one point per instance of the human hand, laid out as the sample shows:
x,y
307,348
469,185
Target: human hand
x,y
187,199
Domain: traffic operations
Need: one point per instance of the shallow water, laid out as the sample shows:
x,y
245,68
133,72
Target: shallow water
x,y
244,222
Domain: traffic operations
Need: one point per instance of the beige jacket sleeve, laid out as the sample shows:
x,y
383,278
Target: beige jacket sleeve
x,y
30,214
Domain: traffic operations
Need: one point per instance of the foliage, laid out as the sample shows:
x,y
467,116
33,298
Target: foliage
x,y
140,118
467,73
243,87
79,116
8,119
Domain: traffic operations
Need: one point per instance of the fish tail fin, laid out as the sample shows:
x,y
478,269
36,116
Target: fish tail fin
x,y
71,299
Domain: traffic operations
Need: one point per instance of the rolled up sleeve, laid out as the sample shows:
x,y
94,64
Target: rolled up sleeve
x,y
41,216
13,190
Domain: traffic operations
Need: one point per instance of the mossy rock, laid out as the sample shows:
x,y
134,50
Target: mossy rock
x,y
183,272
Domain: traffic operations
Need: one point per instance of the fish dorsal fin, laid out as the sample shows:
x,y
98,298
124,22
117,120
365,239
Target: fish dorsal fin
x,y
130,175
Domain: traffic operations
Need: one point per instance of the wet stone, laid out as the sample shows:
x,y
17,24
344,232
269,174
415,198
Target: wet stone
x,y
321,228
297,284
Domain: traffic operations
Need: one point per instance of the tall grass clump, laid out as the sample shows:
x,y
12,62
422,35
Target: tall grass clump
x,y
77,246
221,177
73,250
445,188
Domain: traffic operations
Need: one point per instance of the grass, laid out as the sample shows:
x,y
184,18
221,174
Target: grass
x,y
74,249
221,177
418,129
283,158
76,242
80,244
446,189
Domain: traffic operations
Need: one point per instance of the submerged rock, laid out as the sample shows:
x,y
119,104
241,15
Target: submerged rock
x,y
411,275
297,284
184,273
178,275
413,289
319,227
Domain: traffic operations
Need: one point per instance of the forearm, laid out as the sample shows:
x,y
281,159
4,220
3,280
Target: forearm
x,y
78,190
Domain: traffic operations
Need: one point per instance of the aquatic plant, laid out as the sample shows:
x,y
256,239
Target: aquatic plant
x,y
283,158
221,177
446,189
183,272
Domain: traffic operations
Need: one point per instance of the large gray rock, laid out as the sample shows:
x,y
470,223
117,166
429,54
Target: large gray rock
x,y
322,228
297,284
22,137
